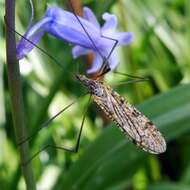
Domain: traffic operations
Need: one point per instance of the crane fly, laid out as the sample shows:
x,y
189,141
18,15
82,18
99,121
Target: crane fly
x,y
139,129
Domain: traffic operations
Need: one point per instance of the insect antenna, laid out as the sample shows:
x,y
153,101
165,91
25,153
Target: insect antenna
x,y
134,79
131,76
130,82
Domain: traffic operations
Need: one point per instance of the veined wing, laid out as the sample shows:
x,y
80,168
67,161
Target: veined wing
x,y
132,122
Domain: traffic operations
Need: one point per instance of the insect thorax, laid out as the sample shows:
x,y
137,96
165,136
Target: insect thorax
x,y
95,87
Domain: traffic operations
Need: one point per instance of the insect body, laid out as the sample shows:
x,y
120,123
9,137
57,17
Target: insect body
x,y
132,122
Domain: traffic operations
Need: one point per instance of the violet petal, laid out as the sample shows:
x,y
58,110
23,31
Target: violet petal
x,y
89,15
124,38
113,61
33,34
110,22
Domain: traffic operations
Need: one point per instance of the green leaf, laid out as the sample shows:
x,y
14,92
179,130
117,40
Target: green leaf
x,y
168,186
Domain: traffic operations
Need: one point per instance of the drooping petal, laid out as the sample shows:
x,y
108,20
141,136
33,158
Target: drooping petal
x,y
96,65
78,51
110,22
24,46
89,15
34,34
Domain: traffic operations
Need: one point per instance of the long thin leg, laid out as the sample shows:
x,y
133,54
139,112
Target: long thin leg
x,y
85,30
120,73
73,150
105,66
41,150
113,47
105,70
44,125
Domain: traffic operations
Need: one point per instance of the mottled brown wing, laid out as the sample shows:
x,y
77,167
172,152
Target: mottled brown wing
x,y
132,122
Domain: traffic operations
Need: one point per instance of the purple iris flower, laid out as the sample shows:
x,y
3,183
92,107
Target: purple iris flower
x,y
64,25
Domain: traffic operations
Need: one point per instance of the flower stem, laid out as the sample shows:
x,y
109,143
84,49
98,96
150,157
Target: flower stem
x,y
16,93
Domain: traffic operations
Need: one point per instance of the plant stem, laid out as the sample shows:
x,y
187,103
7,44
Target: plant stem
x,y
16,93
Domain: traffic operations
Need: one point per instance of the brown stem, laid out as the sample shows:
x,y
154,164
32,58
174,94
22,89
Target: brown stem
x,y
16,93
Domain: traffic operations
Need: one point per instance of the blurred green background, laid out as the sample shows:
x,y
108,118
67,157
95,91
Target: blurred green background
x,y
106,160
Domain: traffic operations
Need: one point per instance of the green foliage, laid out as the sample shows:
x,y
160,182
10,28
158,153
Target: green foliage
x,y
106,160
